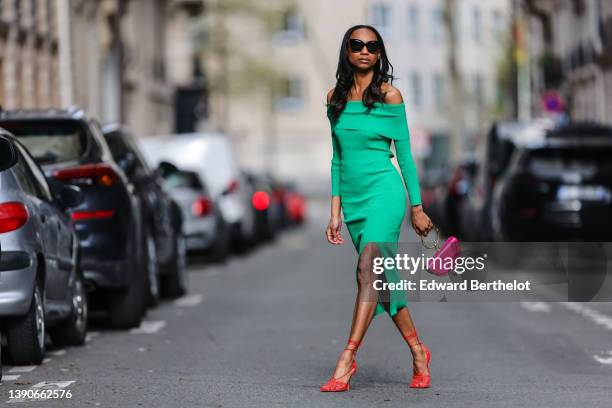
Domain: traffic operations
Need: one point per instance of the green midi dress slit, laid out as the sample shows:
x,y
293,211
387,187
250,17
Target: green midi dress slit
x,y
371,190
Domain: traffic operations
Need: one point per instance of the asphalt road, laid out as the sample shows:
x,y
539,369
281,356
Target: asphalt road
x,y
265,329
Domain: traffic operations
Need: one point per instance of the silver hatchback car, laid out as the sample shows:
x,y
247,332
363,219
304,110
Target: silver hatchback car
x,y
40,280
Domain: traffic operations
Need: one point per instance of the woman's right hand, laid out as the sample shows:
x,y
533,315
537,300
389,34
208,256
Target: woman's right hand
x,y
334,231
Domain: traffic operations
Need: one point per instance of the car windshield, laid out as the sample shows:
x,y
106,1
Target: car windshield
x,y
50,141
553,162
182,179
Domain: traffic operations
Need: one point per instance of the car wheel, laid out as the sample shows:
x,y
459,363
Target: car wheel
x,y
220,249
152,270
72,331
175,282
126,307
26,335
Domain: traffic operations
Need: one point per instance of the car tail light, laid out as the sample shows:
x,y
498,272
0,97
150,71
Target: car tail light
x,y
279,194
528,212
90,215
201,207
231,187
101,174
260,200
12,216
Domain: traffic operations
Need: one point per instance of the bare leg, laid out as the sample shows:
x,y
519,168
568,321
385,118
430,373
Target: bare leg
x,y
365,306
405,325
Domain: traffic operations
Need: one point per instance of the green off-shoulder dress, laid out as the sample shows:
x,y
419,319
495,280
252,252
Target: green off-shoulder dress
x,y
371,190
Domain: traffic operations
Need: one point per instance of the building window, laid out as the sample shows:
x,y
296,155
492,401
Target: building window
x,y
292,28
439,91
380,18
417,90
33,13
291,94
496,20
479,96
477,25
17,11
437,24
413,23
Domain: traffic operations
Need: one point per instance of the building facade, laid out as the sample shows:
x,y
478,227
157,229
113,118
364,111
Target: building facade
x,y
120,60
576,35
29,62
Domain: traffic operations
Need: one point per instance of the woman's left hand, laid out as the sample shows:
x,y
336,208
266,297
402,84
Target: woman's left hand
x,y
420,221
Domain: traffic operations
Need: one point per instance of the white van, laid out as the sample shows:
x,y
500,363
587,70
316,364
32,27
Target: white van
x,y
211,156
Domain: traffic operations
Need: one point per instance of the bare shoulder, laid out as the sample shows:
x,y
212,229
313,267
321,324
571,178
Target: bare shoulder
x,y
392,94
329,94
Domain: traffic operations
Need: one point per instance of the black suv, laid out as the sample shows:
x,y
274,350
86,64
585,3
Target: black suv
x,y
71,148
162,218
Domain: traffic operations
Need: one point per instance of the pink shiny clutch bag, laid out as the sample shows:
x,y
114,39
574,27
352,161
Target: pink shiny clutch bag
x,y
438,264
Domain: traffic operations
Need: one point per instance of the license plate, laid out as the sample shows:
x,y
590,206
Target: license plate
x,y
584,193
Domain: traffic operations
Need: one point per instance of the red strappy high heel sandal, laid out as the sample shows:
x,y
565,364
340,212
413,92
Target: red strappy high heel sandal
x,y
334,384
419,380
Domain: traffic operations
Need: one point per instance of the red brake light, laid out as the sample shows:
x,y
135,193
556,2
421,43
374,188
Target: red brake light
x,y
528,212
233,186
102,174
201,207
88,215
260,200
12,216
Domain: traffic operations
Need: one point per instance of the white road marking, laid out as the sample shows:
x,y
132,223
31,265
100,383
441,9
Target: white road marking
x,y
603,359
149,327
90,336
46,360
53,385
595,316
21,369
10,377
189,300
57,352
536,306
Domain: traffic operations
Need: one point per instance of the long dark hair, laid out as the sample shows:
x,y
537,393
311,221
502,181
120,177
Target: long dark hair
x,y
345,80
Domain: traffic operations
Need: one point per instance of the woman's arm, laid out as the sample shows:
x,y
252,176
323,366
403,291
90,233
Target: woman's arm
x,y
409,171
334,228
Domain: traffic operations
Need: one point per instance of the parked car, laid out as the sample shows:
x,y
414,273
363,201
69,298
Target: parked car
x,y
295,204
493,158
70,147
212,157
559,189
41,282
203,226
162,220
267,209
446,192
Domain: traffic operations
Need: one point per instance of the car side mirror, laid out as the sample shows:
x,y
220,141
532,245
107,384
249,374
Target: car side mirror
x,y
67,195
8,153
128,163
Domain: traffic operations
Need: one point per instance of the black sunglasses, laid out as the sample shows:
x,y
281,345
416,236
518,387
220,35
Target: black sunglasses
x,y
357,45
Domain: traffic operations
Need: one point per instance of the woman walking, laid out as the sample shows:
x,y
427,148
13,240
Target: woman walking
x,y
366,113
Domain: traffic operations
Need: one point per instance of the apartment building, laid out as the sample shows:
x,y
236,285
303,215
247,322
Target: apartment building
x,y
576,35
